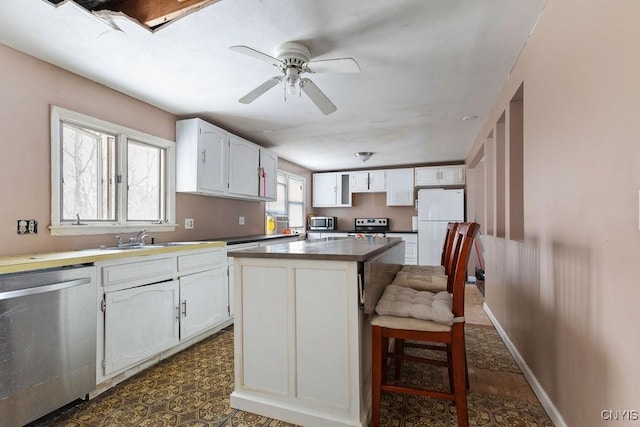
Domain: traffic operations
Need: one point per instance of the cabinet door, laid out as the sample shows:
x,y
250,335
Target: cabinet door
x,y
410,246
139,323
400,188
203,301
268,175
359,182
377,181
212,150
452,175
427,176
244,159
325,186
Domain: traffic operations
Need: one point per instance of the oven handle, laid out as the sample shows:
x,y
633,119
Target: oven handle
x,y
43,289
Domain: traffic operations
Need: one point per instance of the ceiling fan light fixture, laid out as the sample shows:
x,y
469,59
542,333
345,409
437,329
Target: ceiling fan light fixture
x,y
293,59
364,155
292,82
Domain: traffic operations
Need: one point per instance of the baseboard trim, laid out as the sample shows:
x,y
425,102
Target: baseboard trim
x,y
544,399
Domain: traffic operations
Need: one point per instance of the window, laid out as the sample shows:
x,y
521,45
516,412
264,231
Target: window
x,y
107,178
289,201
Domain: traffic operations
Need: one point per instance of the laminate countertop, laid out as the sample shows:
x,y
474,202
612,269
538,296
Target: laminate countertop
x,y
328,248
29,262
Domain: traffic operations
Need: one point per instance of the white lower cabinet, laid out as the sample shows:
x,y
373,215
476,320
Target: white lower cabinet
x,y
230,271
139,323
410,246
146,315
204,301
317,235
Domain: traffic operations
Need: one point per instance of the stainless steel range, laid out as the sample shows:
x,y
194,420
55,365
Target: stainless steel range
x,y
370,227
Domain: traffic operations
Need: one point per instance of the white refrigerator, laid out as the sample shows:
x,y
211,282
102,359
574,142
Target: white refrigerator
x,y
436,208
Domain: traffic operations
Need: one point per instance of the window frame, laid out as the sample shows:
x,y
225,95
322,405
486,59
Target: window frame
x,y
287,202
123,134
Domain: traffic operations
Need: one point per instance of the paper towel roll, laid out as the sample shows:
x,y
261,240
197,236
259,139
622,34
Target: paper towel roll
x,y
414,223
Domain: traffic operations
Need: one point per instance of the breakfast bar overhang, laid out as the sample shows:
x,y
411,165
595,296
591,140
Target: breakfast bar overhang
x,y
302,335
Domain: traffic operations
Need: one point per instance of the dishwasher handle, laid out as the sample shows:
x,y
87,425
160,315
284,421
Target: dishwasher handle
x,y
43,289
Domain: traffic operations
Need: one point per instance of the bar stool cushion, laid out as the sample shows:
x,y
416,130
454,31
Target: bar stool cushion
x,y
408,323
404,302
422,281
423,269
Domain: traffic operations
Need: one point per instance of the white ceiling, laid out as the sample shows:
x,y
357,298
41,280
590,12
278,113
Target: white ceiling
x,y
425,65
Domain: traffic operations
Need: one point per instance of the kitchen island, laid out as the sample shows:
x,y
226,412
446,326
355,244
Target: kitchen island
x,y
302,335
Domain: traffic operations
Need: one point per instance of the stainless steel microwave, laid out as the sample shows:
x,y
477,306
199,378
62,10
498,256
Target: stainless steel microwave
x,y
322,223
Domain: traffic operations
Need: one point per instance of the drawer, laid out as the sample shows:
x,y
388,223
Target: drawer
x,y
122,276
202,261
411,261
410,250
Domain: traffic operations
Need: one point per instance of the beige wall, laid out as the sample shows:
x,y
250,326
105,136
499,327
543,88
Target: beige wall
x,y
366,205
567,296
28,87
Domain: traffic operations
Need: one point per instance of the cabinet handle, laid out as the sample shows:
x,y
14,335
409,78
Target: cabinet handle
x,y
178,312
184,308
204,156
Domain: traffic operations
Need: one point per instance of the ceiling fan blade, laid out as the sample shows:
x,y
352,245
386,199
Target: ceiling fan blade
x,y
251,96
246,50
340,65
317,96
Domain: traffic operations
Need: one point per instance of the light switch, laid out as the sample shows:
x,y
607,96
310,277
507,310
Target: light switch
x,y
241,220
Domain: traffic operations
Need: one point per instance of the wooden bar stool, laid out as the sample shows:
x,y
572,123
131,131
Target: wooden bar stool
x,y
409,314
431,278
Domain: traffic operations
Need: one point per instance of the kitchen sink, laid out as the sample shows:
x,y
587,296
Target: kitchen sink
x,y
121,248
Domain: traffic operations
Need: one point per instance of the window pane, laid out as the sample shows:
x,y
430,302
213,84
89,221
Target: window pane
x,y
88,174
296,215
296,190
145,178
279,206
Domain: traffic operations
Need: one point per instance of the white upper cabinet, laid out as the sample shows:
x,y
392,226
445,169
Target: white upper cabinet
x,y
244,163
204,146
331,189
325,187
368,181
268,175
429,176
400,188
212,161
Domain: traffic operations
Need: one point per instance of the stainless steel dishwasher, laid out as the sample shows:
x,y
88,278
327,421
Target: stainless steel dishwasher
x,y
47,341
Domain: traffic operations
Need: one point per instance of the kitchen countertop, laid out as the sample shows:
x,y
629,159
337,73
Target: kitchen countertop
x,y
255,238
20,263
39,261
328,248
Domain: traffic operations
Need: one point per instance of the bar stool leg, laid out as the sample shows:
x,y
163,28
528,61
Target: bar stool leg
x,y
376,374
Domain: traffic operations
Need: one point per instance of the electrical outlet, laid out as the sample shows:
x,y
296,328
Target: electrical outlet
x,y
188,223
27,226
241,220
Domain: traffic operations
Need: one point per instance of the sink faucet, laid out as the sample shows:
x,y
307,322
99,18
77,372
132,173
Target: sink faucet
x,y
138,239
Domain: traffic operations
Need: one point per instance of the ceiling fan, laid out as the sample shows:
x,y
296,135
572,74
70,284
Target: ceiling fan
x,y
293,60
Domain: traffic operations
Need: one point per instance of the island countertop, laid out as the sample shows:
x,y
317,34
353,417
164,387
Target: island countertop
x,y
328,248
